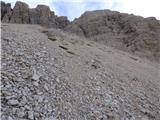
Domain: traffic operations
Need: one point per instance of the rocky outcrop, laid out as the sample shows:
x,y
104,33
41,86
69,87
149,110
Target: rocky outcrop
x,y
22,14
40,15
123,31
6,11
62,21
43,14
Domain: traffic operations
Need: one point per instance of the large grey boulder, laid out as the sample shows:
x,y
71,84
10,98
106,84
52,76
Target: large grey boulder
x,y
20,13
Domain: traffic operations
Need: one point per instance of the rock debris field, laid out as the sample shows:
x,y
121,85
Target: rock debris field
x,y
47,74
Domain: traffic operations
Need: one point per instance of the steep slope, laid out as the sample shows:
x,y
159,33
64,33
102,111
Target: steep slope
x,y
123,31
52,75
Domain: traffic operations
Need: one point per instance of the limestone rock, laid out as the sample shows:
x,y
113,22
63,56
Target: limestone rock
x,y
62,21
3,9
6,12
41,15
13,102
20,13
126,32
33,16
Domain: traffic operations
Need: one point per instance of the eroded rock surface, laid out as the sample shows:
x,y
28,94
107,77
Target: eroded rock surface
x,y
22,14
123,31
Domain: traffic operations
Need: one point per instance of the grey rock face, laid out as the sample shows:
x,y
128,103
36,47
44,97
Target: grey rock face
x,y
43,14
40,15
6,11
123,31
3,9
62,21
24,15
33,16
20,13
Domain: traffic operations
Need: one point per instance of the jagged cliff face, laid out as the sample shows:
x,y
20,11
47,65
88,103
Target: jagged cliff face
x,y
21,13
123,31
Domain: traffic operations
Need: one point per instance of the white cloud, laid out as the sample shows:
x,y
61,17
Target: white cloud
x,y
145,8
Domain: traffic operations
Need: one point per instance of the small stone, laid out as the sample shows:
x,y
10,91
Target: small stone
x,y
144,118
24,100
51,118
40,93
38,53
27,107
46,87
14,110
35,84
21,113
57,79
30,115
35,75
13,102
10,118
40,99
10,97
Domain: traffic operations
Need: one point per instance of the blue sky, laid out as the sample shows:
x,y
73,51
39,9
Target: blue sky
x,y
74,8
